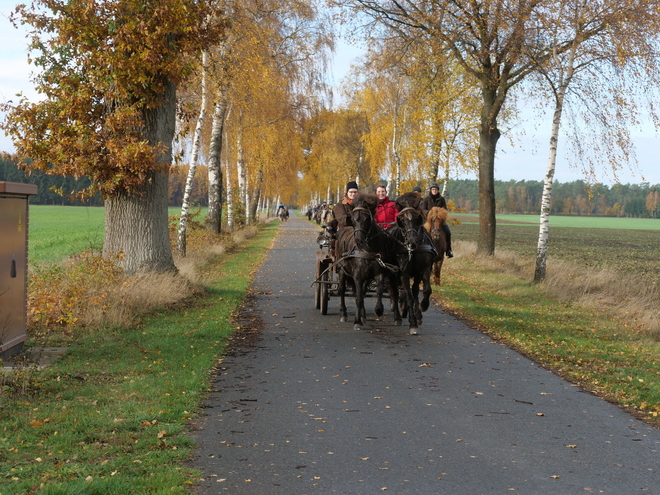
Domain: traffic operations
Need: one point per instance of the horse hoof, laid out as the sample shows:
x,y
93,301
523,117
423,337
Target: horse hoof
x,y
357,327
413,331
398,323
379,311
343,319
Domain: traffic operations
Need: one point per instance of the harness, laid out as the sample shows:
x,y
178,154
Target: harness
x,y
421,234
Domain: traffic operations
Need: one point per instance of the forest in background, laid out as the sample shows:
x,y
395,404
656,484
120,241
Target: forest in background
x,y
569,198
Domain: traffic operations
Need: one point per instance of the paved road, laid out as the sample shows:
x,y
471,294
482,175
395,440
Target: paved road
x,y
316,407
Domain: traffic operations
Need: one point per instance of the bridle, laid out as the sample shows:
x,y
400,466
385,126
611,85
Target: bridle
x,y
415,233
436,231
367,232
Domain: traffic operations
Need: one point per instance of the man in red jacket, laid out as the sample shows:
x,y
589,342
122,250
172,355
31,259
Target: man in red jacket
x,y
386,209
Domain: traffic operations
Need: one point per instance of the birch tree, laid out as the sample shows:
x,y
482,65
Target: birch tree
x,y
498,43
194,155
596,71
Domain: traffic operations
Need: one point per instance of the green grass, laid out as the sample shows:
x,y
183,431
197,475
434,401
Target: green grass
x,y
57,232
111,416
585,347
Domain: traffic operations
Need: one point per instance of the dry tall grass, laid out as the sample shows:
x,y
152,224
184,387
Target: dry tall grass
x,y
89,291
635,303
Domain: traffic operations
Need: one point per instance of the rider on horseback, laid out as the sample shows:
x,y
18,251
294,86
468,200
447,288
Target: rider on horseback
x,y
436,199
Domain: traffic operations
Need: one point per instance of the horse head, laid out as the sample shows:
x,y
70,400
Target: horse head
x,y
362,215
409,218
436,218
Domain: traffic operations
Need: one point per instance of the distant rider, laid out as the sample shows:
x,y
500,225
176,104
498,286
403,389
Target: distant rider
x,y
436,199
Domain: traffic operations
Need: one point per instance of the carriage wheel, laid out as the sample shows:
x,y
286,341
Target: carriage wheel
x,y
325,296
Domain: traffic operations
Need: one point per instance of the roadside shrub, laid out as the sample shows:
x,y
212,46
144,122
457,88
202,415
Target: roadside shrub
x,y
59,296
89,290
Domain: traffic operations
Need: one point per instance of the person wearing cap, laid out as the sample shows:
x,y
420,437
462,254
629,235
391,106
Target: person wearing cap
x,y
436,199
342,210
386,211
417,189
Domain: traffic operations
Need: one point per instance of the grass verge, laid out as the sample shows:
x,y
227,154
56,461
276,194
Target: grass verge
x,y
584,346
110,417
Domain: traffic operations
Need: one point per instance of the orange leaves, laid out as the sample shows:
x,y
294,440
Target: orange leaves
x,y
58,296
105,67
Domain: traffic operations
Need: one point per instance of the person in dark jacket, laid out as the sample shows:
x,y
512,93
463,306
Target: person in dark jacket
x,y
342,210
436,199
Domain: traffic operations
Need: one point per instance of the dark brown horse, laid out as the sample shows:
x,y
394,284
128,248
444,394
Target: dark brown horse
x,y
436,218
415,257
359,251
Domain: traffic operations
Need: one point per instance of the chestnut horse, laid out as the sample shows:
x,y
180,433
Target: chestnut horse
x,y
436,218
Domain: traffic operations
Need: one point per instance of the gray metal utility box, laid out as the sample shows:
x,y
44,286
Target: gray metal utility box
x,y
13,265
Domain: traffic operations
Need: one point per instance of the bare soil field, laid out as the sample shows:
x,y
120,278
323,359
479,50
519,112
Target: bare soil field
x,y
630,252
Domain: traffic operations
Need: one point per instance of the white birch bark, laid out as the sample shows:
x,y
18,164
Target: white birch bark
x,y
229,186
214,213
240,169
565,76
196,144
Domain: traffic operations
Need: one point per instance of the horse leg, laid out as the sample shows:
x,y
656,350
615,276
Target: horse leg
x,y
426,299
412,318
360,319
436,273
341,288
380,282
394,298
415,296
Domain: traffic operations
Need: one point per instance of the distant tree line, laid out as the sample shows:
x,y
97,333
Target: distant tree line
x,y
569,198
49,185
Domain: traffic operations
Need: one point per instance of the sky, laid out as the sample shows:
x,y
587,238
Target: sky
x,y
526,161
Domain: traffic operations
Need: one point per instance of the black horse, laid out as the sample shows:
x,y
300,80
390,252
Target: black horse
x,y
415,256
360,249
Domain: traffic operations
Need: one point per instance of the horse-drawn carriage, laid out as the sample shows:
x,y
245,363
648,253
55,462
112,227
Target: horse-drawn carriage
x,y
367,261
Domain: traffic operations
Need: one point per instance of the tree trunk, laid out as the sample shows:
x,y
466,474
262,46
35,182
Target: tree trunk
x,y
242,181
137,224
256,196
214,213
230,200
488,137
540,270
197,138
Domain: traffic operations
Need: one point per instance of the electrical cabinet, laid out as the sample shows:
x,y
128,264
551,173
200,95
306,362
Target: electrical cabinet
x,y
13,265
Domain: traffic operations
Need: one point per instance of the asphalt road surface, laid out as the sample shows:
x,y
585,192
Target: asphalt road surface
x,y
312,406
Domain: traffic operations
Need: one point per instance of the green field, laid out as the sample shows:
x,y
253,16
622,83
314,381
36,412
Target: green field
x,y
631,245
57,232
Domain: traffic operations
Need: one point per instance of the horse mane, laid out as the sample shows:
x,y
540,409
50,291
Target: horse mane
x,y
435,212
366,200
408,200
